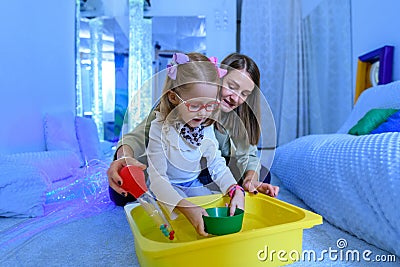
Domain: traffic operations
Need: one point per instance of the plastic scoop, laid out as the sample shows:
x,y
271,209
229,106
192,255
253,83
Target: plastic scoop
x,y
134,182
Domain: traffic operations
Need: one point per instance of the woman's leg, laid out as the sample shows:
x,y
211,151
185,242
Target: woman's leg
x,y
205,177
118,199
265,175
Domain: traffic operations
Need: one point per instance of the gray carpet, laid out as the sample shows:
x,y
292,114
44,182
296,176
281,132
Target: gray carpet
x,y
103,239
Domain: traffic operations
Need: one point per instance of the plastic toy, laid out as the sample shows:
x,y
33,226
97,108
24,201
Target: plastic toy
x,y
134,182
218,221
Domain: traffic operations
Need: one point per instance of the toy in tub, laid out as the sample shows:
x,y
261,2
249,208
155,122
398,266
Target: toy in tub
x,y
269,226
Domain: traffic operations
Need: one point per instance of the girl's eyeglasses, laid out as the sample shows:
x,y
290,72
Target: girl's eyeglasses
x,y
195,106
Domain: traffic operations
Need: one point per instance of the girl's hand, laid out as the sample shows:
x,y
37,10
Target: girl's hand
x,y
237,201
194,214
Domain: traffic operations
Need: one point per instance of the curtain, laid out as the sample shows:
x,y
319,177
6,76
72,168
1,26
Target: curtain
x,y
305,63
327,61
271,35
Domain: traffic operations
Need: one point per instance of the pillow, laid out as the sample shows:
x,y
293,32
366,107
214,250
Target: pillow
x,y
88,139
380,96
23,191
60,132
54,165
392,124
371,120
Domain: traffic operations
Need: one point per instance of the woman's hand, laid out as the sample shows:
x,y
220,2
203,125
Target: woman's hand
x,y
247,184
114,180
237,201
251,184
194,214
254,186
268,189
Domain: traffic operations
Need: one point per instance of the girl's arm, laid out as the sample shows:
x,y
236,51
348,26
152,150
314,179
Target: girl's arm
x,y
220,173
160,184
216,165
194,214
236,193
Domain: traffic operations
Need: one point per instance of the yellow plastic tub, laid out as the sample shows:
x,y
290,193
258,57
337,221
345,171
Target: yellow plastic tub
x,y
271,235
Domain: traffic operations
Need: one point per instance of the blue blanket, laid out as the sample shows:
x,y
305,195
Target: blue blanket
x,y
352,181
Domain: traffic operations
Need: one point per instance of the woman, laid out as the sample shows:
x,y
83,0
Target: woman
x,y
238,126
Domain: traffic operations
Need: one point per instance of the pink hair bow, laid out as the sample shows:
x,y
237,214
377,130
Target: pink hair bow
x,y
221,72
177,58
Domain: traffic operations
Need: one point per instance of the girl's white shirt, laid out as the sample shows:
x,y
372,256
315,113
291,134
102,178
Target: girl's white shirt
x,y
173,160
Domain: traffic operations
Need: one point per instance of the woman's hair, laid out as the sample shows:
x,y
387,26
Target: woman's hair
x,y
249,111
199,69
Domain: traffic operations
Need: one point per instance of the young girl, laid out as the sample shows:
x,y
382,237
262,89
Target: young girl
x,y
182,140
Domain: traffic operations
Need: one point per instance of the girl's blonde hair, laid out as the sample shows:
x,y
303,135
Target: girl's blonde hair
x,y
199,69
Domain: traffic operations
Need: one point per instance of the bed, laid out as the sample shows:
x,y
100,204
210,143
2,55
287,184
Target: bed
x,y
353,181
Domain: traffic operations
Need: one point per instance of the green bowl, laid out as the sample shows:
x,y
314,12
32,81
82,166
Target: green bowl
x,y
218,221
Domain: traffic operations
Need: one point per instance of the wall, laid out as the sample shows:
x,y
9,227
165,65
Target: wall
x,y
375,24
221,40
37,69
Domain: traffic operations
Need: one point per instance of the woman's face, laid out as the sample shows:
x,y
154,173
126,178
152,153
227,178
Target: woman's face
x,y
197,103
236,87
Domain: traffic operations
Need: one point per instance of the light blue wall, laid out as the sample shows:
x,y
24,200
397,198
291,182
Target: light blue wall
x,y
37,69
376,24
